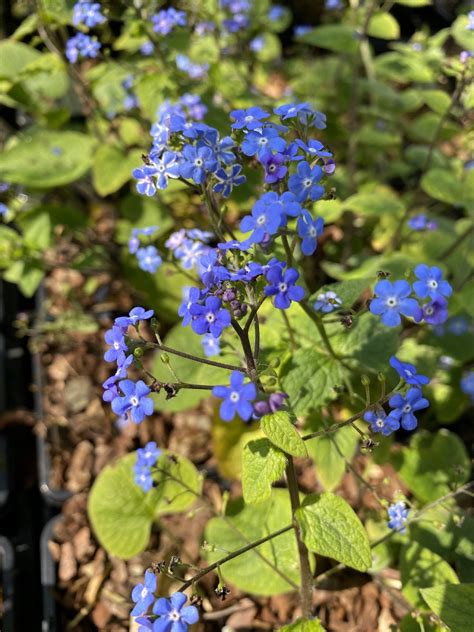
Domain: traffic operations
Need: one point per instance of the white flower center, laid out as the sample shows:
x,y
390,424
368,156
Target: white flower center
x,y
312,231
282,287
144,592
262,141
116,345
433,284
408,373
407,408
199,162
392,301
234,397
134,400
249,118
379,423
429,311
210,317
271,168
307,183
261,220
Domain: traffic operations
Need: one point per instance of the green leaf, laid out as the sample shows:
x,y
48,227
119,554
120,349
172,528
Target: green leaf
x,y
281,431
252,571
309,378
36,228
112,168
330,527
26,274
14,56
437,100
304,625
442,185
330,453
461,33
122,514
421,568
384,26
432,464
452,604
228,441
262,465
378,202
339,38
44,158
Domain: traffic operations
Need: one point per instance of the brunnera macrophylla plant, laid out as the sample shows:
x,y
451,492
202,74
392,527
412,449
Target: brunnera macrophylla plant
x,y
243,282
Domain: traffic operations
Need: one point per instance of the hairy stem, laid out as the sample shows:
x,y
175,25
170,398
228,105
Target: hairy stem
x,y
306,588
231,556
189,356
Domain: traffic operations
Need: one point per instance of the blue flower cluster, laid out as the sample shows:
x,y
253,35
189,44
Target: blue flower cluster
x,y
81,45
421,222
236,15
394,299
398,514
167,614
403,407
146,459
467,384
149,259
167,19
131,101
128,398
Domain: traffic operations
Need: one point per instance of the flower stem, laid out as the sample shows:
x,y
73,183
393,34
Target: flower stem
x,y
306,577
189,356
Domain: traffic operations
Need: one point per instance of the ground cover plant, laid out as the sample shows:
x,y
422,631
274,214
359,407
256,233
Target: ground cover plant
x,y
262,226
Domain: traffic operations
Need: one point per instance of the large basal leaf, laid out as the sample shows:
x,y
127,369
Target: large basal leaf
x,y
309,378
422,568
45,158
122,514
330,454
262,465
432,464
379,202
281,431
251,571
453,604
330,527
112,168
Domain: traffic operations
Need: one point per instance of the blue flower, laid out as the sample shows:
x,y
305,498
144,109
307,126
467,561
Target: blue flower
x,y
292,110
189,253
265,220
118,347
134,242
421,222
314,148
147,49
3,209
405,407
381,422
261,141
227,179
135,400
81,46
408,372
165,167
274,165
202,28
398,515
331,5
193,104
327,302
309,230
210,317
120,374
172,617
436,311
110,393
195,71
142,594
467,384
164,21
276,12
143,477
257,44
211,345
282,286
197,162
135,315
148,259
431,282
192,295
237,398
145,177
87,13
392,300
176,239
250,119
304,183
